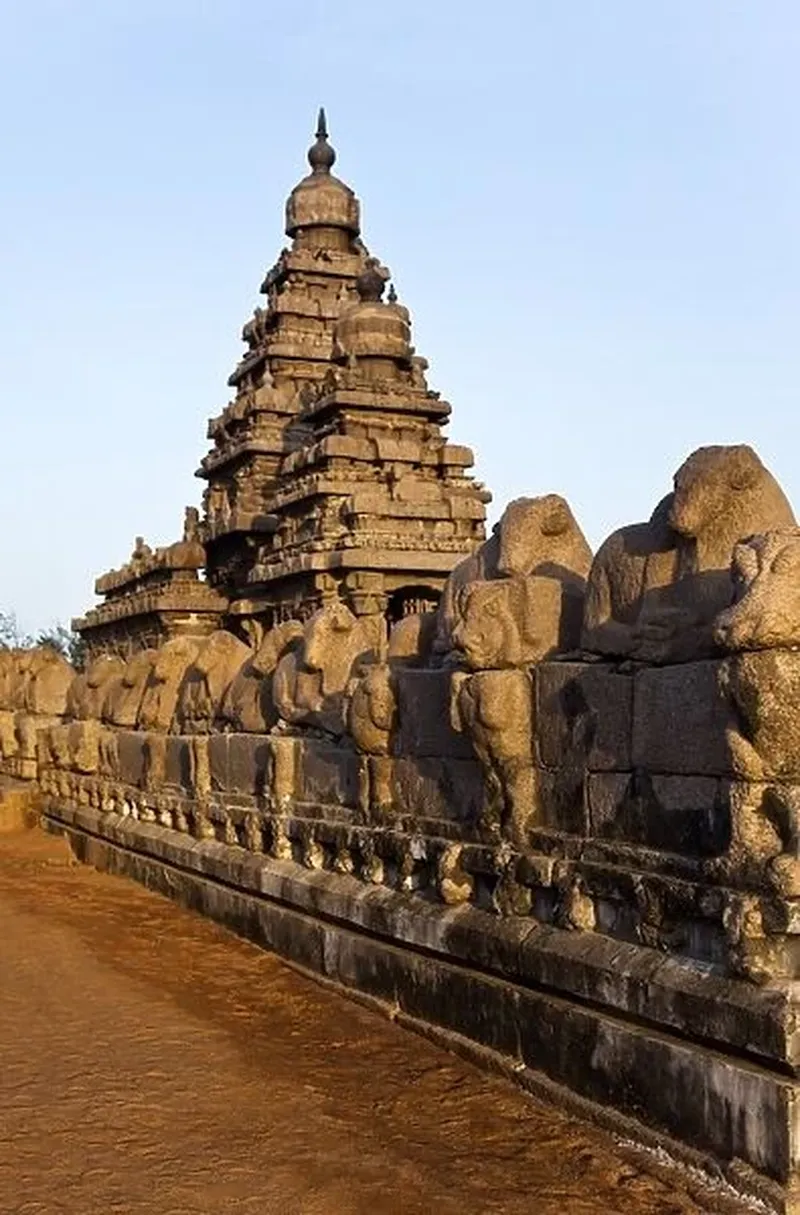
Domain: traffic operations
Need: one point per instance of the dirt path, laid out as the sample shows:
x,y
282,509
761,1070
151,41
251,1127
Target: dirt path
x,y
152,1063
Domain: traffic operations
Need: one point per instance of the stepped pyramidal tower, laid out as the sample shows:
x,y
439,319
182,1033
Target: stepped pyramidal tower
x,y
328,476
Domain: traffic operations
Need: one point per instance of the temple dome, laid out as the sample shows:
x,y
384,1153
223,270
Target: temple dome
x,y
322,200
370,328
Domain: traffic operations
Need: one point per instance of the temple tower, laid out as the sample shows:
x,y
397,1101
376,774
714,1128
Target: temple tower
x,y
289,344
329,475
375,506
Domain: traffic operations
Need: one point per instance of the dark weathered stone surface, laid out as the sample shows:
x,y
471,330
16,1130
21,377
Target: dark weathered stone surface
x,y
437,788
130,750
583,710
679,721
688,814
561,802
248,758
328,774
424,706
178,770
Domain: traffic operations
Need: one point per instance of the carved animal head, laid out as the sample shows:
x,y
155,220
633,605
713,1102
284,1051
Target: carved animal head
x,y
173,658
329,631
766,608
411,639
103,668
137,668
487,634
508,622
48,683
372,710
717,482
535,531
274,645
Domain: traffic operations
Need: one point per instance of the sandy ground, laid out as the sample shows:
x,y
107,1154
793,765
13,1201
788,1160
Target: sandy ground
x,y
151,1062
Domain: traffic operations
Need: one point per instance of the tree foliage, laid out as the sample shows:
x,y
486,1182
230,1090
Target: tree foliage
x,y
61,639
11,635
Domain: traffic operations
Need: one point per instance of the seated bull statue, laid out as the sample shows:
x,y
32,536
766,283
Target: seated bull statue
x,y
49,679
124,693
42,695
33,685
87,690
535,537
160,696
310,682
219,658
656,588
411,639
248,705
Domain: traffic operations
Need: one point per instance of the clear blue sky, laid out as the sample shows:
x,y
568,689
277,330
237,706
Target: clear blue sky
x,y
590,207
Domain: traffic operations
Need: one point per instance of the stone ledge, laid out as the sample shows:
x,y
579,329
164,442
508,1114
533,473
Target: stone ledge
x,y
662,992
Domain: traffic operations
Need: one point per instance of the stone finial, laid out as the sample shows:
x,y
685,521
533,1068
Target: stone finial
x,y
370,284
320,201
321,156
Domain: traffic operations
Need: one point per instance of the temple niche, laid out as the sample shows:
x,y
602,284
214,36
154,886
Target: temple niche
x,y
329,477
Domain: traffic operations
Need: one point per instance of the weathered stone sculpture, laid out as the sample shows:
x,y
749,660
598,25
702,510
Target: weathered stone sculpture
x,y
495,708
160,697
124,695
207,678
535,536
310,683
88,690
48,682
248,705
372,710
761,676
765,613
630,568
510,622
411,639
657,604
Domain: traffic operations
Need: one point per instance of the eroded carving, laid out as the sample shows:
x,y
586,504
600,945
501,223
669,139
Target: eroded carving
x,y
656,603
310,682
248,705
535,537
219,659
160,697
495,709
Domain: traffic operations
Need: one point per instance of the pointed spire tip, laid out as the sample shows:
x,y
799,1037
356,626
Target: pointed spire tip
x,y
321,156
